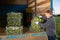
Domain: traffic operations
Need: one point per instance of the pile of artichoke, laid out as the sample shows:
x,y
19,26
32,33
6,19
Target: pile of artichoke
x,y
14,23
14,19
36,27
14,30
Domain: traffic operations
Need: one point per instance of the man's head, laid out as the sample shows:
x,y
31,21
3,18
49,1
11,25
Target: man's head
x,y
48,13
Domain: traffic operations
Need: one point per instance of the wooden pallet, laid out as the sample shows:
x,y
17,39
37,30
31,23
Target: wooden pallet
x,y
30,36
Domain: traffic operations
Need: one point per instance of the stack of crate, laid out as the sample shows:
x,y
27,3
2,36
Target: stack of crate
x,y
14,23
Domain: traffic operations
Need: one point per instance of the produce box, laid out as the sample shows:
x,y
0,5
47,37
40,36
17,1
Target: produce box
x,y
14,19
14,30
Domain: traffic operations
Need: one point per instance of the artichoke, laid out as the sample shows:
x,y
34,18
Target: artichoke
x,y
14,30
36,27
14,19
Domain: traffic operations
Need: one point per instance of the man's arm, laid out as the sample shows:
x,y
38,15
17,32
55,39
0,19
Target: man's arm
x,y
46,24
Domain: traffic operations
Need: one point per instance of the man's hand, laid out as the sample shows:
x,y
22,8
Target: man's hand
x,y
40,16
36,22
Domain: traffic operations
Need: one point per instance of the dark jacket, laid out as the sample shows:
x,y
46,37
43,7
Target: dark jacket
x,y
49,25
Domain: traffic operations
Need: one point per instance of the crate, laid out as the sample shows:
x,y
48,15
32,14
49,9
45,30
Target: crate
x,y
14,30
14,19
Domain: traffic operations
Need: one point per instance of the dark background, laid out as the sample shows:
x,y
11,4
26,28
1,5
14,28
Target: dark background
x,y
9,6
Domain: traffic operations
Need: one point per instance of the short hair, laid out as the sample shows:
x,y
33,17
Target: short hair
x,y
48,11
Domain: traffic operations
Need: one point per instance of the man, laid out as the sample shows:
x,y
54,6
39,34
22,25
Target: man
x,y
49,25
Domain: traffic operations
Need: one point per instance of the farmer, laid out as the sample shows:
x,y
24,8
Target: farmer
x,y
49,25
